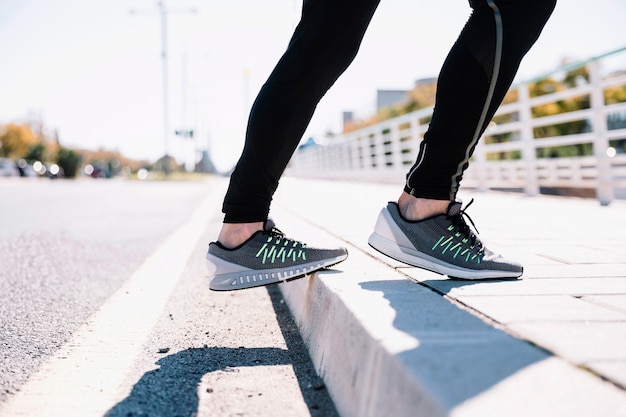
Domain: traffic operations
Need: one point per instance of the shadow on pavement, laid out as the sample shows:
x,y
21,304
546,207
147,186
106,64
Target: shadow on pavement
x,y
458,356
445,286
172,389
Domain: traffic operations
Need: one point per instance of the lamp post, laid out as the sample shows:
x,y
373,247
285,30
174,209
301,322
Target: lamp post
x,y
166,121
163,13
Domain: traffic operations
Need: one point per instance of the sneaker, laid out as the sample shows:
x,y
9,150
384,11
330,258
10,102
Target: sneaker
x,y
444,244
268,257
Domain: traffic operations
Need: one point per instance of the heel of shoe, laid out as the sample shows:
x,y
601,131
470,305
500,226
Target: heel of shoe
x,y
386,228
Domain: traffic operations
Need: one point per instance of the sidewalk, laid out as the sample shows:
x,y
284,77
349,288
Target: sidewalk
x,y
391,340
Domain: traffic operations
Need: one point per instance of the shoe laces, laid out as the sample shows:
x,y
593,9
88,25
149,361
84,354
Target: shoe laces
x,y
279,238
458,220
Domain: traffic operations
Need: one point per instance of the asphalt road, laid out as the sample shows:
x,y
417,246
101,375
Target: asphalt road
x,y
67,246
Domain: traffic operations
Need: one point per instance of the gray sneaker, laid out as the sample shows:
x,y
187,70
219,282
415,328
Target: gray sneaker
x,y
444,244
268,257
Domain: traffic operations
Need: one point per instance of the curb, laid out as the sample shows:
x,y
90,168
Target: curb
x,y
387,346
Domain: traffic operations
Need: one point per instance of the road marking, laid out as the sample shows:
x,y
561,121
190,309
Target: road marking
x,y
85,374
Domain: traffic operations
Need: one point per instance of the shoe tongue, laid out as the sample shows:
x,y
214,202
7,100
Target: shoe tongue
x,y
454,209
269,224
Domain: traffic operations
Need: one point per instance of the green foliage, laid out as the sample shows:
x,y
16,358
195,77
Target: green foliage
x,y
422,95
37,152
581,149
508,155
30,142
69,161
573,78
576,77
548,86
614,95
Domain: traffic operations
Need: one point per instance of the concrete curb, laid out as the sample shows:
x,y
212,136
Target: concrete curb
x,y
357,366
387,346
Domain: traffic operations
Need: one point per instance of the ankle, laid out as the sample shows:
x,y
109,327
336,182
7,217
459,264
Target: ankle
x,y
234,234
414,208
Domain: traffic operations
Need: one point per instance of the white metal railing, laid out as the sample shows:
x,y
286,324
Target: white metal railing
x,y
387,150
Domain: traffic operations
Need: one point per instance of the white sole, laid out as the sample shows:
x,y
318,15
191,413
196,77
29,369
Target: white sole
x,y
238,278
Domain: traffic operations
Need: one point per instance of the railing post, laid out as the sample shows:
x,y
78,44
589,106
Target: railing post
x,y
379,149
416,136
527,137
479,167
396,147
357,154
604,187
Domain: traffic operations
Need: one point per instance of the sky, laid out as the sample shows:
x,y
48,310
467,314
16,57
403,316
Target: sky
x,y
92,70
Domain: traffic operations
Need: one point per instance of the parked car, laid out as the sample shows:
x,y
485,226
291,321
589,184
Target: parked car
x,y
8,168
25,169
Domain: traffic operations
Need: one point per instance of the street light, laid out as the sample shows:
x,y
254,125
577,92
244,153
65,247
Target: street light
x,y
163,13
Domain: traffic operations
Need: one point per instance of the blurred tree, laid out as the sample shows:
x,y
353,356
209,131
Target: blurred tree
x,y
577,76
113,160
572,78
37,152
614,95
16,140
69,161
421,96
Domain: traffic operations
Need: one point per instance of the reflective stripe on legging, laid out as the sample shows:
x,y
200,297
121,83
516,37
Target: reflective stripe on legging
x,y
492,86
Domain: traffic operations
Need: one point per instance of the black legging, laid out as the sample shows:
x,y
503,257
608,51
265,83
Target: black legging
x,y
473,81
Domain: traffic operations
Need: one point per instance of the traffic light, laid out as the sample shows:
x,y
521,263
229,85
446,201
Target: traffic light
x,y
184,133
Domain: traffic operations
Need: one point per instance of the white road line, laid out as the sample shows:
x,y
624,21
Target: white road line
x,y
84,376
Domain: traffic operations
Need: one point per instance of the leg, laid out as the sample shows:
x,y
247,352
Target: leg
x,y
324,43
250,251
427,227
473,81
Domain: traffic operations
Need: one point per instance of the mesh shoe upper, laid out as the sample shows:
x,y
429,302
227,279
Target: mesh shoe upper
x,y
267,257
271,249
449,240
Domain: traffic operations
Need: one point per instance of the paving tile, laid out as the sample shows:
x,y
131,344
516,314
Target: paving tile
x,y
579,342
551,269
414,309
617,301
550,388
457,370
560,270
613,370
530,287
512,308
582,253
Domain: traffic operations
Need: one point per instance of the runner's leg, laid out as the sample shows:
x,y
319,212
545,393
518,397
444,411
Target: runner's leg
x,y
324,43
473,81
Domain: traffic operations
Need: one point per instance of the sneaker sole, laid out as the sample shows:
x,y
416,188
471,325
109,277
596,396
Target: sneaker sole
x,y
414,258
239,279
411,256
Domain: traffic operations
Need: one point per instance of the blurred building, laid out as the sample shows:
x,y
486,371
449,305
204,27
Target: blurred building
x,y
390,98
